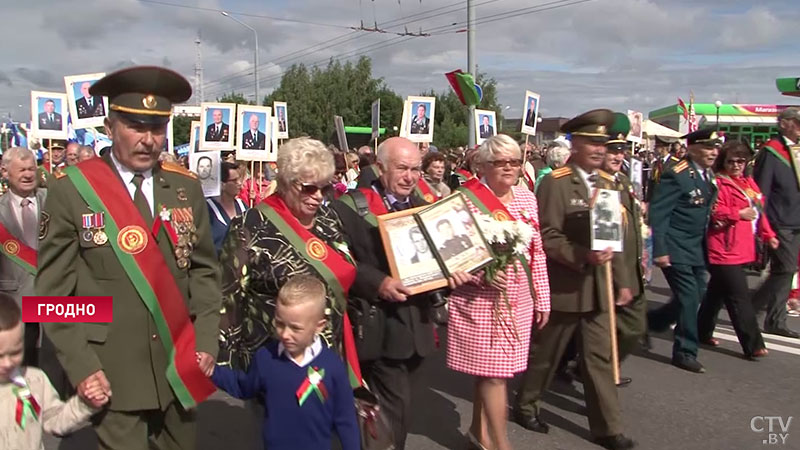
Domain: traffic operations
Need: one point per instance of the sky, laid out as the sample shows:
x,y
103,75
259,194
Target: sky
x,y
578,54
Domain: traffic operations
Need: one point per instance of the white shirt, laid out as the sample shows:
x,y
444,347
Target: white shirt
x,y
701,171
16,206
311,352
585,177
788,141
127,177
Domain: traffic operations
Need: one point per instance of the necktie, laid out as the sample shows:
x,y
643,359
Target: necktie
x,y
140,201
399,206
592,180
216,132
90,102
30,228
51,118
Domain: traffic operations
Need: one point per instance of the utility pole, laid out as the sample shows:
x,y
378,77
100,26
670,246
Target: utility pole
x,y
472,67
198,73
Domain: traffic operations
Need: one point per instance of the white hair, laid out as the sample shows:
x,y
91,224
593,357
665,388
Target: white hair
x,y
301,156
17,153
557,156
495,145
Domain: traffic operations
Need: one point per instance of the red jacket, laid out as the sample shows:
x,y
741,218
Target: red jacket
x,y
730,238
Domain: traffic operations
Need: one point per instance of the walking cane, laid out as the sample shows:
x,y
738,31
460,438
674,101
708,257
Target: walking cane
x,y
612,320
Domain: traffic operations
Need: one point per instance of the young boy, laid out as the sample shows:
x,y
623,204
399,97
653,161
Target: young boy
x,y
304,384
28,402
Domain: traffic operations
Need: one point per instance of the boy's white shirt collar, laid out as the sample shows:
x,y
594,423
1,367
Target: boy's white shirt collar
x,y
311,352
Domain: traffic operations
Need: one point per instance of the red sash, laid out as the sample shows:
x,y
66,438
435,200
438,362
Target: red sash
x,y
17,251
425,191
778,148
144,264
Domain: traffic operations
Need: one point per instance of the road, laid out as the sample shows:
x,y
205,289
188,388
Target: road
x,y
664,407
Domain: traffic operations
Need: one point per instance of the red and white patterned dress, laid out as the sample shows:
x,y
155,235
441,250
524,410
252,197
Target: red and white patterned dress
x,y
475,345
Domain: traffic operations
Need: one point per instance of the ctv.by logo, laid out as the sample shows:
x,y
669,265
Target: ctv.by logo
x,y
776,427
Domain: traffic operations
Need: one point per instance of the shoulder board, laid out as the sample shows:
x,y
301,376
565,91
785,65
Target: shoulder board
x,y
175,168
680,167
59,175
561,172
673,158
606,175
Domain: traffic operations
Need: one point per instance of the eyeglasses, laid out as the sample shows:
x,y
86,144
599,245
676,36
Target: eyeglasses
x,y
307,188
734,162
500,163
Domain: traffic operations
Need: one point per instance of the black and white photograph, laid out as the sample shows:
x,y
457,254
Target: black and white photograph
x,y
253,132
85,109
49,115
607,221
455,236
194,136
206,165
282,118
418,117
636,176
217,126
376,119
530,113
485,125
635,134
410,257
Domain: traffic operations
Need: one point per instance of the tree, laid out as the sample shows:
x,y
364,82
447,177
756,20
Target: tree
x,y
234,97
181,127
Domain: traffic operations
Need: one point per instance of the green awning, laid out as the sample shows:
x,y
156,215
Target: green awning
x,y
789,86
363,130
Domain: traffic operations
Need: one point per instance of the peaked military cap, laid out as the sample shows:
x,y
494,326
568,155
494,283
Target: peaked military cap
x,y
664,140
143,94
706,136
593,124
618,133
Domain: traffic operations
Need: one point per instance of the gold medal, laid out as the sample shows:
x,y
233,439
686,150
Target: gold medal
x,y
183,263
100,237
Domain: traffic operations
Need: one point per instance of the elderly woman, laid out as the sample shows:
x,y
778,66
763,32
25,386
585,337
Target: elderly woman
x,y
291,232
737,216
556,156
433,165
477,344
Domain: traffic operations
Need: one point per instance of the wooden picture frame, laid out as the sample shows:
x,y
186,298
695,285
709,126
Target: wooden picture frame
x,y
418,274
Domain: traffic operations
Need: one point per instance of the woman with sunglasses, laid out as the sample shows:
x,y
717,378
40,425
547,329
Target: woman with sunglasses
x,y
290,232
477,344
736,217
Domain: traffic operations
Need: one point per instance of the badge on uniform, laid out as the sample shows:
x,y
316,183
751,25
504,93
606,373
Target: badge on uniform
x,y
94,228
696,197
578,202
183,220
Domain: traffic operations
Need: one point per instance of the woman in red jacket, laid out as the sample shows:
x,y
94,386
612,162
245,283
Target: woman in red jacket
x,y
736,217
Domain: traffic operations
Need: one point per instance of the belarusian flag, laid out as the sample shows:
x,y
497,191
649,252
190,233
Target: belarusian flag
x,y
464,85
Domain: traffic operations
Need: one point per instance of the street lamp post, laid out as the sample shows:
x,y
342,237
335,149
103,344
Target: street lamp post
x,y
255,34
718,104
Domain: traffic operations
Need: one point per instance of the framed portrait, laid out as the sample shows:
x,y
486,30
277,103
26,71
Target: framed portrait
x,y
636,176
794,150
485,125
282,116
530,113
273,153
635,134
253,132
418,115
194,137
376,119
341,136
411,259
606,218
454,235
217,126
206,165
86,110
169,145
49,115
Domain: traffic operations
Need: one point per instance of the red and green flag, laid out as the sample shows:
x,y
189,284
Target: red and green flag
x,y
464,85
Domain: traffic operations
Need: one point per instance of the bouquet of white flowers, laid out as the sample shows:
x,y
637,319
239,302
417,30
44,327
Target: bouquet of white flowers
x,y
509,241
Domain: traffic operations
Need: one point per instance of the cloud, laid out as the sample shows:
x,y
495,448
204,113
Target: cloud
x,y
4,79
41,78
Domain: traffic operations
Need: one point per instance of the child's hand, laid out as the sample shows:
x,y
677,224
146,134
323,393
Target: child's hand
x,y
206,363
95,397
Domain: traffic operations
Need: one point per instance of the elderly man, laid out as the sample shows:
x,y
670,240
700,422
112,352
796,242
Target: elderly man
x,y
98,238
777,180
217,131
71,153
679,214
252,139
85,152
89,105
408,331
50,119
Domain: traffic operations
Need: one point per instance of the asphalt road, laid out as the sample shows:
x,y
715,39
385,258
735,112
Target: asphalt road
x,y
664,407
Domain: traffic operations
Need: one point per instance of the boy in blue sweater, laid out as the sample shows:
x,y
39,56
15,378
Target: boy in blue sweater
x,y
303,383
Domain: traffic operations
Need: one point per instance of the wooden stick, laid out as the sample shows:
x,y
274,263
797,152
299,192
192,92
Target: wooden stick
x,y
612,320
50,153
94,136
252,182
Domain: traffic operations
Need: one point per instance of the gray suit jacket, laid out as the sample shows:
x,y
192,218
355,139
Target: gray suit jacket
x,y
14,280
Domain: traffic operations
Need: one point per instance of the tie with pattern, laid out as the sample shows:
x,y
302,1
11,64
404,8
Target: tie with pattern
x,y
30,228
400,206
140,200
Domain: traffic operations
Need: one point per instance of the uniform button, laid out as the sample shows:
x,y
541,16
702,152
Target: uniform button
x,y
154,337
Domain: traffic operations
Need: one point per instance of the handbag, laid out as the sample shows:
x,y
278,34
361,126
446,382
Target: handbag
x,y
376,434
369,324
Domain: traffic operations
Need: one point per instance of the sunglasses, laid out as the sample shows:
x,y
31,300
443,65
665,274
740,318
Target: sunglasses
x,y
500,163
307,188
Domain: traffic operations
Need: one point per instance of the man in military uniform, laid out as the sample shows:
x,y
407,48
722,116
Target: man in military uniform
x,y
777,180
679,214
577,286
127,225
664,158
420,124
631,318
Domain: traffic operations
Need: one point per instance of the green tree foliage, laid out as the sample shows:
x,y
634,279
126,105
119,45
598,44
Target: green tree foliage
x,y
344,89
181,127
234,97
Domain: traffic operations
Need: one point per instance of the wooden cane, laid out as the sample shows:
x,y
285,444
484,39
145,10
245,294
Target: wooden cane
x,y
612,320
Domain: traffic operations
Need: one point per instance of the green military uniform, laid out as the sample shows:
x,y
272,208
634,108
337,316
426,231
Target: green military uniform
x,y
679,214
129,349
577,290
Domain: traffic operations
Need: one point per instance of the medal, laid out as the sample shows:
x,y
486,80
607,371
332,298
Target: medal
x,y
100,237
179,252
88,221
87,235
183,263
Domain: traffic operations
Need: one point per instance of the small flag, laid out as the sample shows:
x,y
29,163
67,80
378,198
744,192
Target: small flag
x,y
464,85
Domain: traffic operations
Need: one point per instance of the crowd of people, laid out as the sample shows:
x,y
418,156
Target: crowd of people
x,y
280,289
